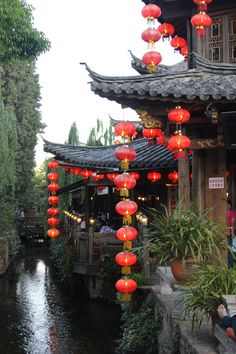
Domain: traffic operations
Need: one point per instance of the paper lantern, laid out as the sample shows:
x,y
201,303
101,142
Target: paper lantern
x,y
53,187
154,176
53,164
126,208
202,4
86,173
151,133
125,129
151,12
184,52
98,176
52,211
53,232
179,115
53,221
201,21
134,174
152,59
127,234
125,154
167,30
124,182
151,36
126,260
53,176
126,287
173,176
75,171
53,199
178,43
111,176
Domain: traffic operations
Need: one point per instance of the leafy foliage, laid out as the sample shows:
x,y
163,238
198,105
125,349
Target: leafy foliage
x,y
73,138
183,234
99,136
18,38
140,329
14,242
62,257
203,295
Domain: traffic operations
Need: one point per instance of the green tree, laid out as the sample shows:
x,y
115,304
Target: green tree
x,y
99,136
73,138
18,38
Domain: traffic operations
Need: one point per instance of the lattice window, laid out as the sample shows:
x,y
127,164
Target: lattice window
x,y
215,41
221,41
232,39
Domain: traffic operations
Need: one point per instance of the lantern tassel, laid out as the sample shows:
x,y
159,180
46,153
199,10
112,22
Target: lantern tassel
x,y
124,165
124,192
127,245
126,270
126,297
127,220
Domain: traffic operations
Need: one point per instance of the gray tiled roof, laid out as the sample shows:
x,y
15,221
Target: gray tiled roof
x,y
148,157
205,81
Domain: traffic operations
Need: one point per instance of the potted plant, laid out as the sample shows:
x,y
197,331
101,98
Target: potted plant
x,y
182,237
202,296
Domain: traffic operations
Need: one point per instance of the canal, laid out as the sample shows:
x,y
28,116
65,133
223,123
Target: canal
x,y
39,316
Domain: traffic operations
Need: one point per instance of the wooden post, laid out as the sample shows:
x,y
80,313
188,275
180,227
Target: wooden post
x,y
198,178
90,245
184,185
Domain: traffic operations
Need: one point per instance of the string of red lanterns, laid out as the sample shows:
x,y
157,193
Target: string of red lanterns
x,y
126,208
201,21
53,199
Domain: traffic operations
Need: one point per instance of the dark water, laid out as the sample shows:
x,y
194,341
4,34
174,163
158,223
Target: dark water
x,y
39,316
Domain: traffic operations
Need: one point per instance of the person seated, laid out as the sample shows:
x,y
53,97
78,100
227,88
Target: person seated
x,y
107,229
227,322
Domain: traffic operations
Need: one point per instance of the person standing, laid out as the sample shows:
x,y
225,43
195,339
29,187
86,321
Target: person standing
x,y
230,220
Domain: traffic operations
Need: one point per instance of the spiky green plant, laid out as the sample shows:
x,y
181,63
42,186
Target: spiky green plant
x,y
184,234
202,296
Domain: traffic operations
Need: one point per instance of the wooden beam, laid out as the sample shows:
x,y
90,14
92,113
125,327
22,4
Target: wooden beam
x,y
208,143
184,184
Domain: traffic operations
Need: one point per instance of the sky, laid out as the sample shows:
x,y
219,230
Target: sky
x,y
100,33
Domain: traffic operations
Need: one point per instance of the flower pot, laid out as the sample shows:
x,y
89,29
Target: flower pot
x,y
181,270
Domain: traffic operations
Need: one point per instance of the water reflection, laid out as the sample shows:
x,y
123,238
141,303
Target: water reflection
x,y
38,316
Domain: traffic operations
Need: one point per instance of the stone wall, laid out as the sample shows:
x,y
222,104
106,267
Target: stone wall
x,y
177,335
4,258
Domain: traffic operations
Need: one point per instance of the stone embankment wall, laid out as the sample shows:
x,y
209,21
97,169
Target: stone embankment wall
x,y
4,257
177,335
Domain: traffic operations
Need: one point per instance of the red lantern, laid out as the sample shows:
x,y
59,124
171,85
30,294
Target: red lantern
x,y
53,233
125,129
75,171
178,143
152,59
151,36
167,30
126,233
125,182
53,221
111,176
126,208
53,164
134,174
184,52
178,43
151,12
173,176
125,154
53,187
154,176
53,199
53,176
86,173
202,4
126,260
151,133
126,287
201,21
179,115
98,177
52,211
161,139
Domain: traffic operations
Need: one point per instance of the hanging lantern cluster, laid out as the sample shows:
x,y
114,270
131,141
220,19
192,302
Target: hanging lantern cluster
x,y
178,142
201,21
151,35
126,208
53,199
154,176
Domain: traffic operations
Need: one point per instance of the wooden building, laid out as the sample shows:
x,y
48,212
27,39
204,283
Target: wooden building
x,y
206,86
